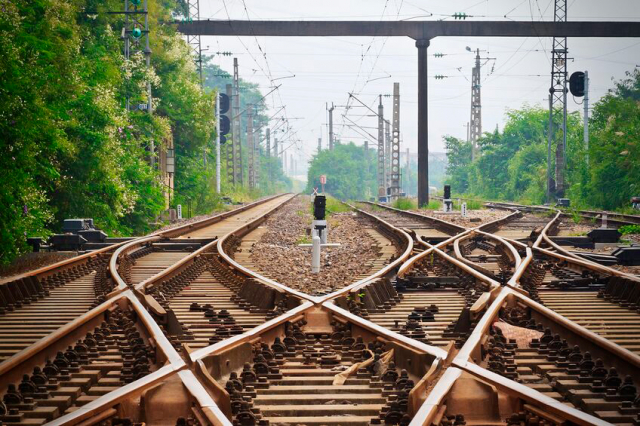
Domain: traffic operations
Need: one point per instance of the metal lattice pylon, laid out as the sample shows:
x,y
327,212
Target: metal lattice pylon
x,y
237,136
395,143
136,40
558,105
231,173
381,167
250,146
194,41
475,123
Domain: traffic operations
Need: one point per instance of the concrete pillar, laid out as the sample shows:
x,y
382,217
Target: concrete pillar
x,y
423,125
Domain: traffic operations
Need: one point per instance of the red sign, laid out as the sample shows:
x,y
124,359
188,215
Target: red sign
x,y
323,179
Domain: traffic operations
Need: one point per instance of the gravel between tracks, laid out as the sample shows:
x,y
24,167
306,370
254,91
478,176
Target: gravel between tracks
x,y
474,217
32,261
278,256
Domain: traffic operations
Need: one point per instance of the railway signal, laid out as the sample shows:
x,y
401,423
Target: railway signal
x,y
577,83
225,122
223,128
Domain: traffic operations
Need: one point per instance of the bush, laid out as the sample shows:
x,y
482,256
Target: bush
x,y
404,204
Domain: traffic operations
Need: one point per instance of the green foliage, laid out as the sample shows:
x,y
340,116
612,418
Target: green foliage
x,y
459,159
629,229
512,164
68,146
614,148
336,206
474,204
349,175
405,204
433,205
575,216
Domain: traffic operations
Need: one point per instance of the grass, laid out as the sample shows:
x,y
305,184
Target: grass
x,y
629,229
433,205
404,204
336,206
575,216
474,205
304,239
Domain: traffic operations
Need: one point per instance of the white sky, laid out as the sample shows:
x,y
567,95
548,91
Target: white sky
x,y
326,69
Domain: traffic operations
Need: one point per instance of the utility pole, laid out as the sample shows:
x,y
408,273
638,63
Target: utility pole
x,y
586,115
268,137
256,158
229,146
331,127
237,133
218,143
136,26
406,173
476,108
395,143
382,192
250,145
558,91
366,154
268,155
387,154
549,141
319,145
275,148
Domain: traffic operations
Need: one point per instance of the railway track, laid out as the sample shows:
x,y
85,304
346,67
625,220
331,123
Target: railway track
x,y
178,328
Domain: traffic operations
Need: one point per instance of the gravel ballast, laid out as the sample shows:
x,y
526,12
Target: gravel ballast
x,y
278,256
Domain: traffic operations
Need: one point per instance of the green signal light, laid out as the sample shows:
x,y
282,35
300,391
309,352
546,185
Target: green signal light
x,y
136,2
137,33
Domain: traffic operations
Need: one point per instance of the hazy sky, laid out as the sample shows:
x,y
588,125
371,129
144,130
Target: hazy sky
x,y
326,69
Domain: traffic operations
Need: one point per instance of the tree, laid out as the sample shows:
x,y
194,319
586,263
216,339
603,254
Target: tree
x,y
614,146
458,162
349,175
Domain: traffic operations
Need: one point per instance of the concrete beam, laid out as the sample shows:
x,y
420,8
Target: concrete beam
x,y
419,30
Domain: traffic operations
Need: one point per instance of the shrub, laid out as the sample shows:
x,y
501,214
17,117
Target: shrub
x,y
404,204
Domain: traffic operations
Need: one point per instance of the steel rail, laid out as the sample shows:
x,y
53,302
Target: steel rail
x,y
525,393
76,260
452,227
71,332
384,271
113,269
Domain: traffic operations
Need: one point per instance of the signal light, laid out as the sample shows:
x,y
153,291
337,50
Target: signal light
x,y
576,83
137,32
225,125
136,2
224,103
